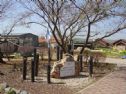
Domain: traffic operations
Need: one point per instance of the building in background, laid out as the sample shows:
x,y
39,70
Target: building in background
x,y
12,43
120,44
28,39
103,44
42,42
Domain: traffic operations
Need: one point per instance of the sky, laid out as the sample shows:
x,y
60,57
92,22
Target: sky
x,y
39,30
16,10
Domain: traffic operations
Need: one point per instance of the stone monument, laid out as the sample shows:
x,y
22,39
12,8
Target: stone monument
x,y
66,67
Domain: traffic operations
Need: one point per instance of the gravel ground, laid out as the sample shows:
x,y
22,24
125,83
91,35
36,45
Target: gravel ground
x,y
59,86
14,79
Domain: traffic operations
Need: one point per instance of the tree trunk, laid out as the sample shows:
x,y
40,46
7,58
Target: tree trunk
x,y
87,39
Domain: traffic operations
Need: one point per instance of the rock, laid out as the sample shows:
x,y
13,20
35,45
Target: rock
x,y
23,92
3,85
16,90
55,72
11,92
7,89
69,57
75,57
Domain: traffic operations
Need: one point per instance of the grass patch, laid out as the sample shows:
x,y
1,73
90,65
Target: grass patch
x,y
110,52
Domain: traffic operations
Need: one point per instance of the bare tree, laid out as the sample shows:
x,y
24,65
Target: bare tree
x,y
65,18
61,17
4,7
98,11
7,47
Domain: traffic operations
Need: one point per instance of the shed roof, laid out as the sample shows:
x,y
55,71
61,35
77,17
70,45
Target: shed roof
x,y
17,35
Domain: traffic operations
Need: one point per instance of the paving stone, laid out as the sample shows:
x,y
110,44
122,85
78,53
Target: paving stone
x,y
114,83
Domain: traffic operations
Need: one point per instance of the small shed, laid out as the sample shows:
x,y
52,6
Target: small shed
x,y
120,44
27,43
9,43
28,39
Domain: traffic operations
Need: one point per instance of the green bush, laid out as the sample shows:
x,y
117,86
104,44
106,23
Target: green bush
x,y
110,52
122,53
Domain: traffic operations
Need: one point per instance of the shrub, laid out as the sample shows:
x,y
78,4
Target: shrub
x,y
122,53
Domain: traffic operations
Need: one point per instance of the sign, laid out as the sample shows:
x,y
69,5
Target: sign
x,y
68,69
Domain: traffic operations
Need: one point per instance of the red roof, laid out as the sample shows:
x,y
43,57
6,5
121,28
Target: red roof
x,y
41,40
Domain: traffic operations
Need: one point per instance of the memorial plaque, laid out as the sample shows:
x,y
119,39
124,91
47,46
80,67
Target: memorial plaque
x,y
68,69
